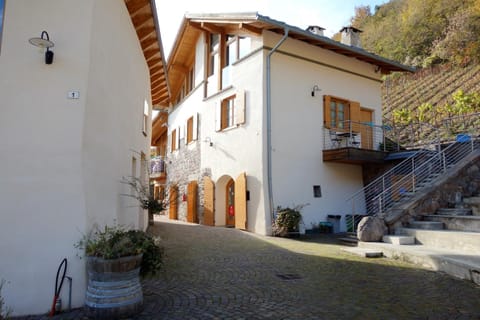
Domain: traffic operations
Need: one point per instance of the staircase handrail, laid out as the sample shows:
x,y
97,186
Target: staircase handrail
x,y
417,175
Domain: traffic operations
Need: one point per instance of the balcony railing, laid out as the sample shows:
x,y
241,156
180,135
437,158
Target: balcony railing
x,y
157,166
351,134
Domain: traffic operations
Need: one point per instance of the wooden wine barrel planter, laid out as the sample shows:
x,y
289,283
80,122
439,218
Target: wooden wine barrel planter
x,y
114,288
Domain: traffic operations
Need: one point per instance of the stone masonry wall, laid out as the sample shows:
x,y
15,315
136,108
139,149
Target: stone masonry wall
x,y
183,166
465,182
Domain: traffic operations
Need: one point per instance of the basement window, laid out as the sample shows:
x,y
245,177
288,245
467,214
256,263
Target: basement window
x,y
317,192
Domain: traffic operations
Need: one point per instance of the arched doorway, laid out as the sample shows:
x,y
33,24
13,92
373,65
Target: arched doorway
x,y
230,204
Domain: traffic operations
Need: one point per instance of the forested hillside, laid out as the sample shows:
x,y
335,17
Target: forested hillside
x,y
422,32
441,38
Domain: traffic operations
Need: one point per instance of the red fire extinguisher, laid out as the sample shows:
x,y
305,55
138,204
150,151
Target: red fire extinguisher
x,y
231,210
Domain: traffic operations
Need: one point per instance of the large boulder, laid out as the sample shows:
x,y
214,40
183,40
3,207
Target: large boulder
x,y
371,229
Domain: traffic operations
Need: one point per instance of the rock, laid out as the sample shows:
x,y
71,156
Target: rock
x,y
371,229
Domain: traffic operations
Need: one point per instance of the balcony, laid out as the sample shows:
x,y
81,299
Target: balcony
x,y
355,143
158,169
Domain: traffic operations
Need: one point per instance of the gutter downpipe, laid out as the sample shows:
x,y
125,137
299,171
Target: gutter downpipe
x,y
269,122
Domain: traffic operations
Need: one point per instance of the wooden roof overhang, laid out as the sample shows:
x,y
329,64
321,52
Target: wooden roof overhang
x,y
144,18
159,127
254,23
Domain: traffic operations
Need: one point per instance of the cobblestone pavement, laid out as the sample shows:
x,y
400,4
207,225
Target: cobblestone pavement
x,y
219,273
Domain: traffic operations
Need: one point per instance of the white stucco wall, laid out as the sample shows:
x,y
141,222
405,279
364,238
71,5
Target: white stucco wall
x,y
297,122
234,150
62,159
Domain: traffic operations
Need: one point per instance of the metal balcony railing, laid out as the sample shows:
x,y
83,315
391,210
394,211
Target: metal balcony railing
x,y
157,166
354,134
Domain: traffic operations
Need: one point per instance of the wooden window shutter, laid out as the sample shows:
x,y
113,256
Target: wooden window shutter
x,y
209,202
179,133
354,107
327,120
172,200
241,202
188,130
192,202
173,144
195,127
239,108
218,116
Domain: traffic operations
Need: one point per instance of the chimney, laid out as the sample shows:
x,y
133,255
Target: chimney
x,y
316,30
351,36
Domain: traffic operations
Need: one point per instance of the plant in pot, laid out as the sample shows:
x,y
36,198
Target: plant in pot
x,y
144,197
116,257
287,221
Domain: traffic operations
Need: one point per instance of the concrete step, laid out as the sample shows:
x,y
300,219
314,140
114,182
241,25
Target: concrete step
x,y
399,240
365,252
461,265
466,242
427,225
454,211
455,222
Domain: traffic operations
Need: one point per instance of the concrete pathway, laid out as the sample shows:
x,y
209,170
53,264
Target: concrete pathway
x,y
219,273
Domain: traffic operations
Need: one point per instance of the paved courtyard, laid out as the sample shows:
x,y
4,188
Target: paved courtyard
x,y
219,273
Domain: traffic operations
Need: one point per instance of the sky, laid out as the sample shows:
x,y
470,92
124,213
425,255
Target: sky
x,y
329,14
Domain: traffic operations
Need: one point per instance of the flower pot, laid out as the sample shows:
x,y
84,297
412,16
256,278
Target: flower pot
x,y
114,288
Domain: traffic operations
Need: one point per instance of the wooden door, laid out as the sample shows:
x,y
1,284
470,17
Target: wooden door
x,y
209,202
241,202
172,212
230,209
192,202
366,129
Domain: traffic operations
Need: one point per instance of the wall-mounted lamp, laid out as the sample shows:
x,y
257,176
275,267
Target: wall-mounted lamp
x,y
315,88
209,141
44,43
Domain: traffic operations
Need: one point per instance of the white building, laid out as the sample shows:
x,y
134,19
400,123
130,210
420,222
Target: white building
x,y
69,132
258,106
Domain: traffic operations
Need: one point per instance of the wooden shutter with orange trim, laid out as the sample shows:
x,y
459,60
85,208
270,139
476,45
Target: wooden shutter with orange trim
x,y
327,120
172,212
241,202
209,202
192,202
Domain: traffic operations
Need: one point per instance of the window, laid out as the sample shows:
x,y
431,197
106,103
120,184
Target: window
x,y
230,111
214,46
228,108
191,126
174,140
336,113
146,109
236,48
2,12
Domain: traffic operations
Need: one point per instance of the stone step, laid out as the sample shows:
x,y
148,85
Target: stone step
x,y
365,252
464,266
455,211
427,225
466,242
467,223
399,240
474,204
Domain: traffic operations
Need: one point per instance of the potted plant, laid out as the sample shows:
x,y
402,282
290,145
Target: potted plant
x,y
116,257
287,222
143,195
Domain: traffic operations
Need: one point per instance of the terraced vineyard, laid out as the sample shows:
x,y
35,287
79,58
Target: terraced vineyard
x,y
433,86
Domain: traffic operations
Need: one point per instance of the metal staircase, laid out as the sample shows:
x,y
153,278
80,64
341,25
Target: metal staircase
x,y
419,171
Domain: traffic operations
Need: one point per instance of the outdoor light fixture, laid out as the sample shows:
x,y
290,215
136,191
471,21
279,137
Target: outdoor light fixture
x,y
44,42
315,88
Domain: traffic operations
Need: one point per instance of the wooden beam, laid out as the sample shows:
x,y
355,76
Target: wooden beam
x,y
134,6
211,28
148,42
250,29
144,32
180,67
140,19
149,53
